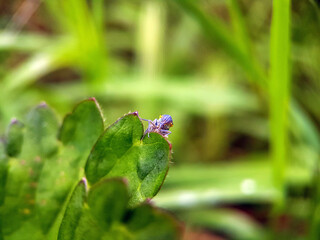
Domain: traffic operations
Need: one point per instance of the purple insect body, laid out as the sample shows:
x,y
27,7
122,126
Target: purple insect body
x,y
161,125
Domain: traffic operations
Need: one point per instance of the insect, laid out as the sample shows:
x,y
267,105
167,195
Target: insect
x,y
161,125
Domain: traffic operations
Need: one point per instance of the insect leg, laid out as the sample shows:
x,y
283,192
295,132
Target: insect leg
x,y
146,132
165,133
150,122
149,129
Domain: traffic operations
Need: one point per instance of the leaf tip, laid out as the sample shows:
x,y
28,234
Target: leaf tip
x,y
14,121
135,113
43,104
84,182
125,181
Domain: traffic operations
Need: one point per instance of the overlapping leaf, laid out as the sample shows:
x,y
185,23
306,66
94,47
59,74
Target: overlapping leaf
x,y
39,145
79,131
14,138
108,216
3,172
73,212
121,152
83,126
108,201
43,171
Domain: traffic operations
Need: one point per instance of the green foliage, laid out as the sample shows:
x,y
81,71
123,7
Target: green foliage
x,y
14,138
108,215
217,32
121,152
41,161
147,222
108,196
73,212
78,132
81,128
40,144
235,225
3,173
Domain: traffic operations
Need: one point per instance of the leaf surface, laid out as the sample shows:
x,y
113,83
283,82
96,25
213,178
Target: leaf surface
x,y
120,152
108,201
14,138
39,144
147,222
78,133
73,212
83,126
3,173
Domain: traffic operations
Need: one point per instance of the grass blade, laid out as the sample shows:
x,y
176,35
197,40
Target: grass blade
x,y
279,93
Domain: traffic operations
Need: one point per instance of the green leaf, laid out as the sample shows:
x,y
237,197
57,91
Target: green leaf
x,y
83,126
1,234
79,131
88,228
40,143
108,201
3,172
14,138
147,222
41,133
3,179
104,219
73,212
120,152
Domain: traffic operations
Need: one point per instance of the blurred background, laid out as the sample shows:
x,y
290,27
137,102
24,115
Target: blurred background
x,y
207,64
